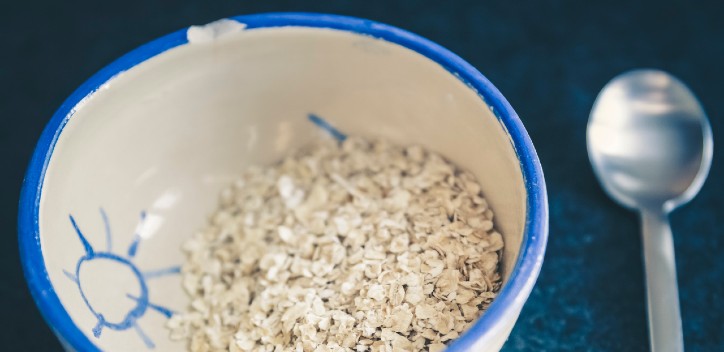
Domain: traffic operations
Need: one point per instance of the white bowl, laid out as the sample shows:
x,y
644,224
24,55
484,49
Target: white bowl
x,y
131,164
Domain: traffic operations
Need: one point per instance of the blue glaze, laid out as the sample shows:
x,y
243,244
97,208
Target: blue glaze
x,y
162,272
133,314
136,238
327,127
536,226
161,309
144,337
88,248
130,320
71,276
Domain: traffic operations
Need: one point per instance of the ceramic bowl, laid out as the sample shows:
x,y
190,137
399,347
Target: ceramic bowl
x,y
131,164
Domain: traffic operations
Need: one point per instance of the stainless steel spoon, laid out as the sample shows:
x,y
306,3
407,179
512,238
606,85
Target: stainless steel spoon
x,y
650,144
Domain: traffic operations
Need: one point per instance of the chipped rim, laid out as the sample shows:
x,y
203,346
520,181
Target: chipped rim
x,y
506,305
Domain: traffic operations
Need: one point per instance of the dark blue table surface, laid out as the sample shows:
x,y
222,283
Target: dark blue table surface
x,y
548,58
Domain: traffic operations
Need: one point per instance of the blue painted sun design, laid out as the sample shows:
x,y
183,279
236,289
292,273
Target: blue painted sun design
x,y
121,262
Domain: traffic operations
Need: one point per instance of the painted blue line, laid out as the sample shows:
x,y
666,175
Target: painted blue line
x,y
137,238
83,240
161,272
134,246
323,124
161,309
106,224
143,336
99,327
71,276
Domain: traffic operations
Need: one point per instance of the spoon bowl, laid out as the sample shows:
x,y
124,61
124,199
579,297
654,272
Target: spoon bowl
x,y
649,140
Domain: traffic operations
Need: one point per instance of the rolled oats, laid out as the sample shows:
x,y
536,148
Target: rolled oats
x,y
352,246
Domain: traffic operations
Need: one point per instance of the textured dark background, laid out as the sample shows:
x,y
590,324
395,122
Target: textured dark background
x,y
549,58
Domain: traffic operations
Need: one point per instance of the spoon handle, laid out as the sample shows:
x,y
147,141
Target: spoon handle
x,y
661,288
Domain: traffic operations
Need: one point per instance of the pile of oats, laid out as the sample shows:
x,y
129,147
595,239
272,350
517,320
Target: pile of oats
x,y
353,246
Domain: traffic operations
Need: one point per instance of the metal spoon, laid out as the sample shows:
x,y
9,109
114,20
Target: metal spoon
x,y
650,144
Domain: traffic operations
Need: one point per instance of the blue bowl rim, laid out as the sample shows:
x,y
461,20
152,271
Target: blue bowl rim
x,y
535,236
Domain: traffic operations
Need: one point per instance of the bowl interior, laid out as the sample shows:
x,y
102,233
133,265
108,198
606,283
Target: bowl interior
x,y
138,166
